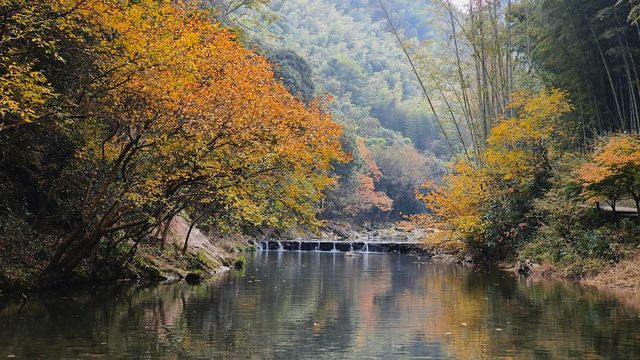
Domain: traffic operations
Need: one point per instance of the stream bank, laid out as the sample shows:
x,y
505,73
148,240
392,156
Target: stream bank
x,y
206,254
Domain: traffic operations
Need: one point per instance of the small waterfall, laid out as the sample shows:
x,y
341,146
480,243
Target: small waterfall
x,y
334,247
350,247
280,247
366,247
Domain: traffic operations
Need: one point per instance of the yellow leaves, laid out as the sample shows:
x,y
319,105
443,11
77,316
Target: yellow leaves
x,y
540,112
516,164
619,150
519,148
594,173
508,132
24,92
30,37
538,118
458,201
175,111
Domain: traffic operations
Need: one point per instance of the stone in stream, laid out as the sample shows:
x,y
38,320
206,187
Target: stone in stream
x,y
343,246
274,245
308,245
377,247
291,245
326,246
358,246
193,278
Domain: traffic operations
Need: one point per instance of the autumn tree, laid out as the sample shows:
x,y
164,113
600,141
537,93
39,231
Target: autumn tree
x,y
367,198
613,171
404,170
37,37
172,114
485,206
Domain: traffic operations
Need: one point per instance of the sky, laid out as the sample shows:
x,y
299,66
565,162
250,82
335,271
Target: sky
x,y
460,3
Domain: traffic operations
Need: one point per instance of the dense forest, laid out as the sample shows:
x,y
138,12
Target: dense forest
x,y
509,128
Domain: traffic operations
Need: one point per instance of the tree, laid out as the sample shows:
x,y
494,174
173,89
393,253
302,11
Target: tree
x,y
486,205
613,171
170,113
404,169
33,39
294,72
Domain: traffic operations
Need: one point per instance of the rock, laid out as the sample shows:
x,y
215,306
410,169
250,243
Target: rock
x,y
524,267
239,262
291,245
172,277
326,246
193,278
308,246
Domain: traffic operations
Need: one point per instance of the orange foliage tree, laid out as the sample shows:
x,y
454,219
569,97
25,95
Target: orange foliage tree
x,y
367,198
613,171
177,115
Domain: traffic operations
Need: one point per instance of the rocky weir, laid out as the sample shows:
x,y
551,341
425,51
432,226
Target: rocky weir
x,y
344,246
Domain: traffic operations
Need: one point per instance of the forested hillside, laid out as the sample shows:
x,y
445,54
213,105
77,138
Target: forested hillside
x,y
356,59
351,55
527,99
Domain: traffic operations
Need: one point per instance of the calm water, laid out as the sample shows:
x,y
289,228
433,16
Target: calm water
x,y
328,306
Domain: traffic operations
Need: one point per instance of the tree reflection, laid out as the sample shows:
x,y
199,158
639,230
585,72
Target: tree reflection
x,y
327,306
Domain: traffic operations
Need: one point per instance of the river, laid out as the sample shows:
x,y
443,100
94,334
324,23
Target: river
x,y
311,305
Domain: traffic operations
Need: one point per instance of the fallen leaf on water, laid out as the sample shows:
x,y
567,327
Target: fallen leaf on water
x,y
463,324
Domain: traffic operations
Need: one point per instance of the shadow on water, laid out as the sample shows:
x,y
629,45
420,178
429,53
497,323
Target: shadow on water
x,y
328,306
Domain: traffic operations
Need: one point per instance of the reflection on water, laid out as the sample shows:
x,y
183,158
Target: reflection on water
x,y
328,306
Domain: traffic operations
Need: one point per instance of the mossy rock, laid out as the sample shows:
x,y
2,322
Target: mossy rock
x,y
239,262
201,261
194,278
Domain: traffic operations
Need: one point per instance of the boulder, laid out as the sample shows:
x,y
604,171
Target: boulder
x,y
193,278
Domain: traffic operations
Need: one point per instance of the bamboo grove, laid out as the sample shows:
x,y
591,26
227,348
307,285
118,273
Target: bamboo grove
x,y
116,116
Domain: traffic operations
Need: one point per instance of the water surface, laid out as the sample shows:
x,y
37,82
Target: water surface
x,y
295,305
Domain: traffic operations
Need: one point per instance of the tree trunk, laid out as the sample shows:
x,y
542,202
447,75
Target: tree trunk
x,y
186,240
